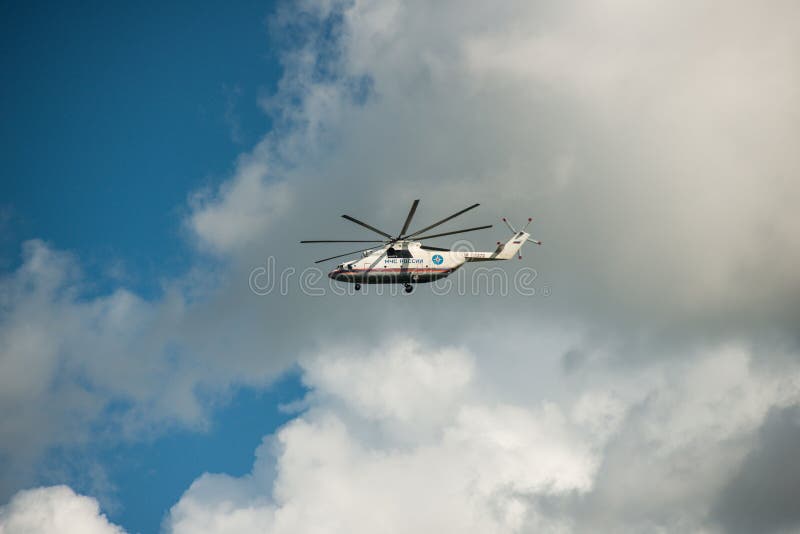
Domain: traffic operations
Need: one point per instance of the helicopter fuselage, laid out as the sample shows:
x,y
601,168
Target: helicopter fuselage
x,y
410,262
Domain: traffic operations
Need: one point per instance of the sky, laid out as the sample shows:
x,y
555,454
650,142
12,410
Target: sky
x,y
102,105
640,374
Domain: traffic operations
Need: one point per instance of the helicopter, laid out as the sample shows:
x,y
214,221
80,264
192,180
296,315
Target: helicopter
x,y
403,259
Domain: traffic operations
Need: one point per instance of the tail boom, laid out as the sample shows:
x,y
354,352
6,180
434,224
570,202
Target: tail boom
x,y
504,251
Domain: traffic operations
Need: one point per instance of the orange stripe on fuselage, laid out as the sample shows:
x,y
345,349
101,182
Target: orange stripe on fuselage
x,y
384,270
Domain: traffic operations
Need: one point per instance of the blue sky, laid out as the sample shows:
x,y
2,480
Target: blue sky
x,y
112,116
141,479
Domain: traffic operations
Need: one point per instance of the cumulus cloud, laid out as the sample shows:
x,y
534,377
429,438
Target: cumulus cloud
x,y
348,463
653,144
649,452
761,496
58,354
54,509
680,442
400,384
241,210
73,360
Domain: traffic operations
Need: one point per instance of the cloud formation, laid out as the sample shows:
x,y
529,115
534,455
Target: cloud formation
x,y
645,452
54,509
364,460
654,145
761,497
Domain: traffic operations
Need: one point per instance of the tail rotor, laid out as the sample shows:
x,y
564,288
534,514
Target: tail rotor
x,y
521,234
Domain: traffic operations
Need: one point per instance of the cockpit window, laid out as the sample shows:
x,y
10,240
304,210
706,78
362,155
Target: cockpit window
x,y
393,253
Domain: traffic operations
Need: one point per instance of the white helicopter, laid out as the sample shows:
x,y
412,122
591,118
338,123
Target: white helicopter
x,y
405,260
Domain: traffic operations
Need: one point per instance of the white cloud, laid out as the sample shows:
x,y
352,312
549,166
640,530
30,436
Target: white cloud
x,y
242,210
653,144
646,451
54,510
68,355
683,437
400,383
356,461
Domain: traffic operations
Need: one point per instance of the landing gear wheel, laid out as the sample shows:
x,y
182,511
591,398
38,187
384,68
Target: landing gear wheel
x,y
358,287
409,288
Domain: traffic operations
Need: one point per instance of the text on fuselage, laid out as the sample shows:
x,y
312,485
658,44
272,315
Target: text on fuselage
x,y
402,260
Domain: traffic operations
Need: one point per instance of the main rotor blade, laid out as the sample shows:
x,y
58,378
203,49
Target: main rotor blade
x,y
365,225
342,241
510,226
434,225
454,232
408,219
341,255
374,263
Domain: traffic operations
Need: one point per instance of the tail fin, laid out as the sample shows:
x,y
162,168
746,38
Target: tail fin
x,y
507,250
511,248
513,245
